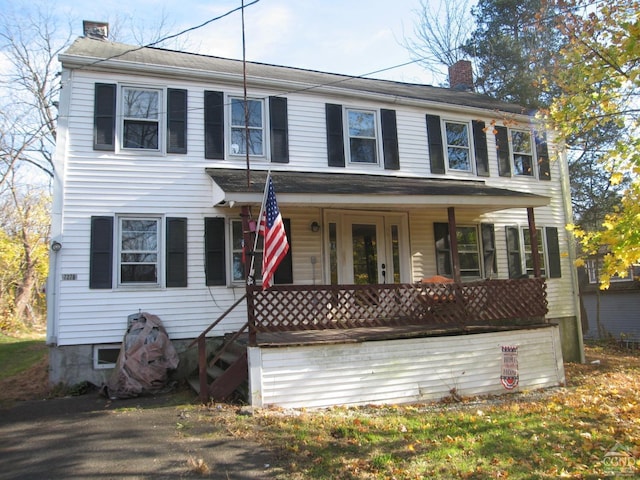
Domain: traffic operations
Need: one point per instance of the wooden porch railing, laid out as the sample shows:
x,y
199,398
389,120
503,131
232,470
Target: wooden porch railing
x,y
321,307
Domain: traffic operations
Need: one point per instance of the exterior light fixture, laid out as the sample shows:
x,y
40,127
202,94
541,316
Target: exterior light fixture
x,y
56,246
315,227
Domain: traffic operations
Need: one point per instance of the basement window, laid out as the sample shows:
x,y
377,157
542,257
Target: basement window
x,y
105,356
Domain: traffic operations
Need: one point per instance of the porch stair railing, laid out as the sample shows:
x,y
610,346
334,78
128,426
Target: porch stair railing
x,y
222,374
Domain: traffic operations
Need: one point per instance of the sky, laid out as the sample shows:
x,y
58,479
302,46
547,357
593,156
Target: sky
x,y
353,37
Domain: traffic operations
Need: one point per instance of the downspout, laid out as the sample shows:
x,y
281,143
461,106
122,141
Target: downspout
x,y
566,197
59,158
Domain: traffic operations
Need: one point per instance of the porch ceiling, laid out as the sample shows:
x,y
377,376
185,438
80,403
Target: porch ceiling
x,y
342,189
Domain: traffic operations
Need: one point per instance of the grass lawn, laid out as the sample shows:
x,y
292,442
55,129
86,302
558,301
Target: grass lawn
x,y
586,430
589,429
19,354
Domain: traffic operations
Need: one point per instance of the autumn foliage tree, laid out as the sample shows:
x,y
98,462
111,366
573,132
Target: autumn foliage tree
x,y
598,76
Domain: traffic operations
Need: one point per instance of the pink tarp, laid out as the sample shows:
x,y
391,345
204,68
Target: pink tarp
x,y
145,358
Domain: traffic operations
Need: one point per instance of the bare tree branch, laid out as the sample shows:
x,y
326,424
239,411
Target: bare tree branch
x,y
439,32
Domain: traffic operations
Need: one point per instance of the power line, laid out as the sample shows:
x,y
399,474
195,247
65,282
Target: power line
x,y
169,37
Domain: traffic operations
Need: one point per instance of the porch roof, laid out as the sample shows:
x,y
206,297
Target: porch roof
x,y
340,189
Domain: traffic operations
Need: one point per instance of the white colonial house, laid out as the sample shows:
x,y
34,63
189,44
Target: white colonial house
x,y
426,226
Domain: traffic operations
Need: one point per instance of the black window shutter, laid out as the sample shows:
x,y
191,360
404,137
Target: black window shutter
x,y
553,252
480,148
502,147
176,252
390,139
436,151
284,272
335,135
279,129
513,252
101,253
214,125
443,251
489,249
542,152
214,244
104,117
176,120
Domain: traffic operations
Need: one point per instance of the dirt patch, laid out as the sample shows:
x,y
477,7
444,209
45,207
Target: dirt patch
x,y
31,384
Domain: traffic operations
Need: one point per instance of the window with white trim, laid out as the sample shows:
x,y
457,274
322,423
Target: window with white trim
x,y
528,254
468,251
458,146
141,125
105,356
362,132
139,250
240,259
522,152
594,266
247,124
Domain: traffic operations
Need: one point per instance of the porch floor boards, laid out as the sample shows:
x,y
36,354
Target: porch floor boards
x,y
359,335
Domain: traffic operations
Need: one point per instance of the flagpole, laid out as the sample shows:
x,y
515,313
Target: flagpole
x,y
257,233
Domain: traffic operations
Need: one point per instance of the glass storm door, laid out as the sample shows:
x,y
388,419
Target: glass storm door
x,y
366,262
367,249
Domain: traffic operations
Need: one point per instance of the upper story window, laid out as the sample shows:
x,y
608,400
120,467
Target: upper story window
x,y
140,118
149,119
362,133
458,146
247,127
522,152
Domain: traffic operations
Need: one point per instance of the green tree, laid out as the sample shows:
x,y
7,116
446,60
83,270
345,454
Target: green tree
x,y
24,233
512,41
598,74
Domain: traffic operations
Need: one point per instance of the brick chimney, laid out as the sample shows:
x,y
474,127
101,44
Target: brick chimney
x,y
461,76
97,30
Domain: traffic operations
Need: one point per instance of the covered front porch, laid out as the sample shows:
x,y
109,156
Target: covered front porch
x,y
377,304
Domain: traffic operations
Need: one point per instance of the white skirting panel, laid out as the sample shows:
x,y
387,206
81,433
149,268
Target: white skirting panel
x,y
401,371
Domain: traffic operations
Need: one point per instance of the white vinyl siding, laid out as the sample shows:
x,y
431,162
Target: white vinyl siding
x,y
401,371
128,183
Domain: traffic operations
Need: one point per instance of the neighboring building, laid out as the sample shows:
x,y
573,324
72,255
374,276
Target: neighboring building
x,y
372,177
613,313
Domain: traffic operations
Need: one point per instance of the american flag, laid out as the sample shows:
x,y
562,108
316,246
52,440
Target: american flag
x,y
276,245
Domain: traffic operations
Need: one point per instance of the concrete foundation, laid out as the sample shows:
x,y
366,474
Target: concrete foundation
x,y
73,364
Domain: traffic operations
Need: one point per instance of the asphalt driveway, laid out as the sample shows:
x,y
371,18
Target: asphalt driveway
x,y
148,437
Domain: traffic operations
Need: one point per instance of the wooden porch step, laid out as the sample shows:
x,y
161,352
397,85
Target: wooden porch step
x,y
228,376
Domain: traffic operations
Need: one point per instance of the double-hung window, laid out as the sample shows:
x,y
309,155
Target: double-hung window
x,y
528,254
520,253
240,259
141,118
522,149
458,146
139,250
136,118
594,267
362,134
247,127
468,251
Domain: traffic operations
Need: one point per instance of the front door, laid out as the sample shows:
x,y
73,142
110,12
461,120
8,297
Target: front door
x,y
366,254
366,249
